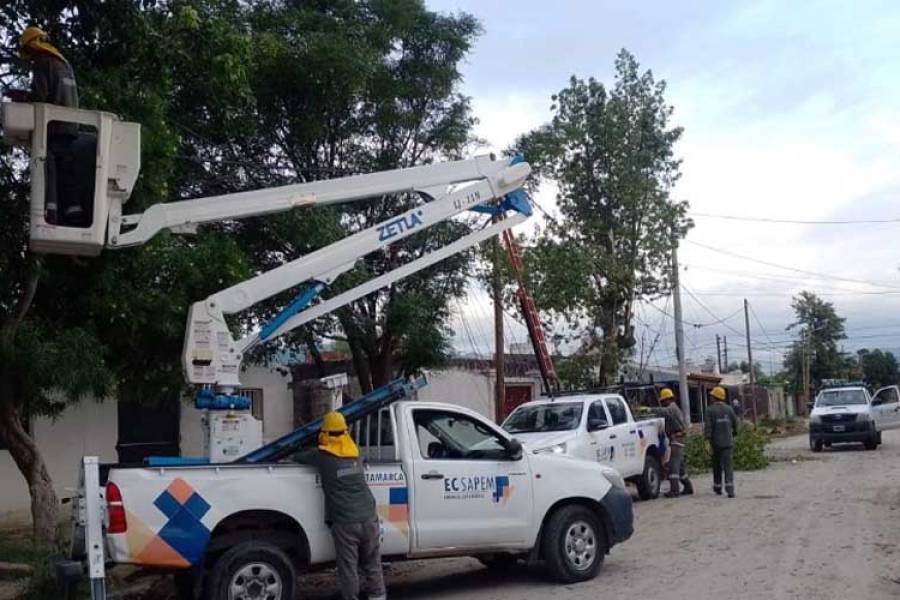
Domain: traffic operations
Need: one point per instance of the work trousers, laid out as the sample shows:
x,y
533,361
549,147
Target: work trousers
x,y
358,549
676,458
722,461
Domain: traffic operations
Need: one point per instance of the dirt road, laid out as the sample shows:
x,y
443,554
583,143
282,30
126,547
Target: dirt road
x,y
823,526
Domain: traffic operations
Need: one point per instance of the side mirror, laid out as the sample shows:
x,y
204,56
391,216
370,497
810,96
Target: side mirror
x,y
514,449
596,424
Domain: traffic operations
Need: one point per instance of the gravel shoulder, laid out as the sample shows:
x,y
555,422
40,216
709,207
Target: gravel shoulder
x,y
821,526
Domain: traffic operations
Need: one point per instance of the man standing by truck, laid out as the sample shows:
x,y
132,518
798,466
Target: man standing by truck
x,y
720,428
676,430
349,509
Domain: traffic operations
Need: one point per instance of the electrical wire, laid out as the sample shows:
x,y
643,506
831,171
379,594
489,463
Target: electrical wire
x,y
792,221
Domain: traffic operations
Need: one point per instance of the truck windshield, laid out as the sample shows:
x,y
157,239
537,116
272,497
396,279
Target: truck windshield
x,y
841,398
544,417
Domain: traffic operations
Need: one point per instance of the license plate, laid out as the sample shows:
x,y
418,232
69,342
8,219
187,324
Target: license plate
x,y
838,428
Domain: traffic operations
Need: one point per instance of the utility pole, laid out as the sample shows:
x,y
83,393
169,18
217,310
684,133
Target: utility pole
x,y
683,390
750,356
719,353
499,350
805,369
725,351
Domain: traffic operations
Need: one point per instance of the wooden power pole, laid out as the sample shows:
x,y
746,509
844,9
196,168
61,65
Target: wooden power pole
x,y
499,346
719,352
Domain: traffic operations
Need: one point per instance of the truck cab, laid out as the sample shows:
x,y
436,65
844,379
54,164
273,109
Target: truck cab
x,y
595,427
848,413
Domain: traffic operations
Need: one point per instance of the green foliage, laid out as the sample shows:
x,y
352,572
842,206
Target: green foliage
x,y
611,152
820,329
576,371
749,450
878,368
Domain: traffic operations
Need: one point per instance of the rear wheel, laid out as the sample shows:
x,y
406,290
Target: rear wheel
x,y
648,482
574,544
871,443
254,569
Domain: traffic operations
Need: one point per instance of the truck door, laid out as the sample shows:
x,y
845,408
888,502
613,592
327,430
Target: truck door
x,y
466,490
603,438
624,435
886,408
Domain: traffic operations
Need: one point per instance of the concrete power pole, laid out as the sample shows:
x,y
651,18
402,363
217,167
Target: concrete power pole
x,y
719,352
683,390
750,356
499,350
805,369
725,352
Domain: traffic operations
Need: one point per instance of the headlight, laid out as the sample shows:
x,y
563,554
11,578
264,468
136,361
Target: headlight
x,y
613,477
815,418
863,417
554,449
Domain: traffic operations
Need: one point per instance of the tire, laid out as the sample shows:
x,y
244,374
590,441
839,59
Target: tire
x,y
815,445
828,444
574,544
648,483
878,438
872,443
252,566
187,584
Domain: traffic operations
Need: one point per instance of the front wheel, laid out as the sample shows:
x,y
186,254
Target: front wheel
x,y
815,445
574,544
871,443
253,569
649,481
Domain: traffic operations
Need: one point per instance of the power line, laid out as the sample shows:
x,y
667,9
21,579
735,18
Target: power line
x,y
787,268
793,221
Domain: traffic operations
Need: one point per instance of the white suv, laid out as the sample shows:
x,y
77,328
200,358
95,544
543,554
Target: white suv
x,y
850,414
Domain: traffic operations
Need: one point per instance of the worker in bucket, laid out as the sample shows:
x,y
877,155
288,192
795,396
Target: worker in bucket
x,y
676,431
721,428
349,509
53,82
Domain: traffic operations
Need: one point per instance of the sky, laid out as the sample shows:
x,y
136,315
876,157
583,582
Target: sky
x,y
790,111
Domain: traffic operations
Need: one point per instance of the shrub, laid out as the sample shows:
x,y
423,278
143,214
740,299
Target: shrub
x,y
749,450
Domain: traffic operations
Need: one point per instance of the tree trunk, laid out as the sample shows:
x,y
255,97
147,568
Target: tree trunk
x,y
25,453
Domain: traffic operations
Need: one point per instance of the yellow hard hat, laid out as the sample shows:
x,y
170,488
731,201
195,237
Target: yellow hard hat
x,y
666,394
31,35
334,422
718,393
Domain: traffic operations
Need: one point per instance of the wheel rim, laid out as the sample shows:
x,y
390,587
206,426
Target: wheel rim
x,y
653,480
581,545
255,581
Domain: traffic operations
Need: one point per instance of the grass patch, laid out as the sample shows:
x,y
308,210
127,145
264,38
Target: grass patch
x,y
16,547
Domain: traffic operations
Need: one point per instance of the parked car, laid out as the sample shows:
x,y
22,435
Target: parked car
x,y
595,427
850,414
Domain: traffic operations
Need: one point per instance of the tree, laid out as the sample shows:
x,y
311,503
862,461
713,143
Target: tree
x,y
878,368
819,328
231,96
610,151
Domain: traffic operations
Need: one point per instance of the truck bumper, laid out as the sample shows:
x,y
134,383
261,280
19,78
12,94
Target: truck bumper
x,y
619,515
850,432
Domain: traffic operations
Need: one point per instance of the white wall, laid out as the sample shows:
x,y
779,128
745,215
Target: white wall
x,y
87,428
278,409
471,389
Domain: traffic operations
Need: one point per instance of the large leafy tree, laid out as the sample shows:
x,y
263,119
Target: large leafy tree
x,y
879,368
820,329
231,95
611,152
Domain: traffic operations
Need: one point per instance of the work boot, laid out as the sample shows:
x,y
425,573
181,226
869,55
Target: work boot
x,y
688,487
730,491
673,489
718,490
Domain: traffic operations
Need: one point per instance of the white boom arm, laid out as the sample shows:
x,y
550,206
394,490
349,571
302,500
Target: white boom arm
x,y
213,357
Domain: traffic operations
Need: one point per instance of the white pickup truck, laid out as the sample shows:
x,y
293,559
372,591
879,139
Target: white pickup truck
x,y
447,483
848,413
596,427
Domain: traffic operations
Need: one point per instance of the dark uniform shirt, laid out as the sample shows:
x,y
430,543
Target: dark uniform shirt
x,y
721,425
673,417
53,82
347,496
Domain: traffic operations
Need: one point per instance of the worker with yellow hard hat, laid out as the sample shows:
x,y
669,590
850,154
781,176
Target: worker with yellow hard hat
x,y
53,82
720,428
676,430
349,509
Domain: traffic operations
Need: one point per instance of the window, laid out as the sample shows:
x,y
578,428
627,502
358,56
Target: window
x,y
596,411
552,416
256,402
616,411
887,396
447,435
